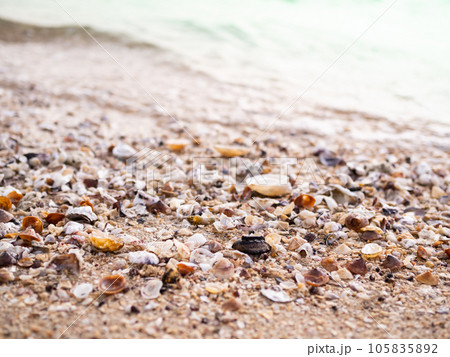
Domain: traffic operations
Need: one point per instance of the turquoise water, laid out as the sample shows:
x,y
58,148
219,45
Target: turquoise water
x,y
399,68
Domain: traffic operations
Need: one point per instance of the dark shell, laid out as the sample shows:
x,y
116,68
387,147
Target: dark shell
x,y
254,245
355,221
54,218
316,277
171,277
88,182
6,260
357,266
369,236
391,262
68,262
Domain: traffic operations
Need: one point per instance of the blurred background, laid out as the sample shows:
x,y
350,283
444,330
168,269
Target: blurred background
x,y
400,68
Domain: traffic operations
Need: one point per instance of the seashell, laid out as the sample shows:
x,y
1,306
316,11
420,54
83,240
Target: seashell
x,y
357,266
30,235
370,233
186,268
427,278
171,277
177,145
213,246
391,262
195,241
329,264
305,201
270,185
89,182
152,289
25,262
14,197
254,245
199,220
83,213
34,222
66,262
87,203
82,291
112,284
5,203
232,304
54,218
316,277
6,259
143,257
273,239
223,269
231,151
276,294
104,242
371,250
123,151
423,253
447,251
295,243
343,249
5,216
5,276
344,274
215,288
355,221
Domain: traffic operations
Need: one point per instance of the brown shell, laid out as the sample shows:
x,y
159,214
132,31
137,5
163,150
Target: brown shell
x,y
30,235
355,221
357,266
112,284
68,262
447,251
14,197
329,264
254,245
185,268
5,276
427,278
305,201
54,218
391,262
25,262
316,277
422,253
369,236
5,203
5,216
34,222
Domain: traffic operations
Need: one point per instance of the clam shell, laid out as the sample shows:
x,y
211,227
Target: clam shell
x,y
105,242
305,201
143,257
152,289
5,203
33,222
112,284
54,218
232,150
276,294
14,197
83,290
223,269
316,277
371,250
270,185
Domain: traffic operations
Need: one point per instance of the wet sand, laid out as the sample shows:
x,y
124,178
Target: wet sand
x,y
66,99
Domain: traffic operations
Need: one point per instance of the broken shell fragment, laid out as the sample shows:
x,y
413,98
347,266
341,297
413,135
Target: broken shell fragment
x,y
316,277
276,294
25,262
5,216
186,268
371,250
427,278
34,222
30,235
391,262
223,269
6,259
5,203
270,185
54,218
305,201
423,253
329,264
14,197
104,242
112,284
82,291
5,276
253,245
356,221
66,262
370,233
357,266
152,289
83,213
232,150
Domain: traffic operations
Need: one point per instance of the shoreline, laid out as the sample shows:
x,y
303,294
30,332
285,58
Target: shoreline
x,y
73,103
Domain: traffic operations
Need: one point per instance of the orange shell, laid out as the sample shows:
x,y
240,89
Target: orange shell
x,y
34,222
185,268
305,201
5,203
14,196
87,203
54,218
112,284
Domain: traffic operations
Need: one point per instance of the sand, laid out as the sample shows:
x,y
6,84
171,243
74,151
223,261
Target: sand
x,y
69,99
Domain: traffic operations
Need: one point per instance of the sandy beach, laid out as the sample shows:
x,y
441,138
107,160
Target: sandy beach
x,y
72,113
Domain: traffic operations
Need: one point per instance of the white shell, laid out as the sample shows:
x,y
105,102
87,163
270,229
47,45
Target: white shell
x,y
195,241
152,289
123,151
81,213
143,257
82,291
72,227
371,250
270,184
276,295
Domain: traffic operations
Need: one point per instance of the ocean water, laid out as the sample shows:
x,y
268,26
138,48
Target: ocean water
x,y
399,66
